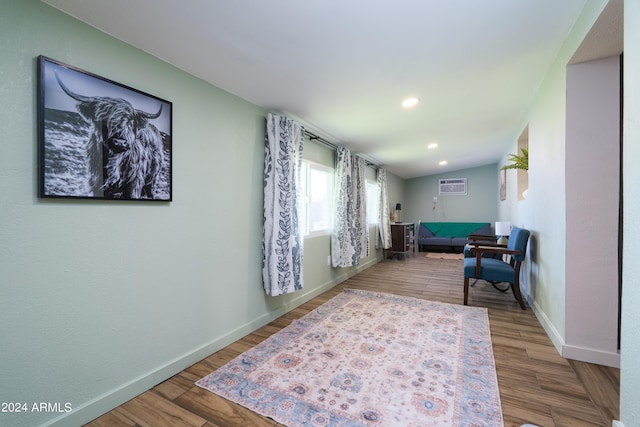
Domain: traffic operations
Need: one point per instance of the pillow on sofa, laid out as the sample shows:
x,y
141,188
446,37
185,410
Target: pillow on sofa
x,y
486,230
460,242
424,232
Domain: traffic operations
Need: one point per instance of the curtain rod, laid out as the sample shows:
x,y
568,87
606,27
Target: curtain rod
x,y
314,137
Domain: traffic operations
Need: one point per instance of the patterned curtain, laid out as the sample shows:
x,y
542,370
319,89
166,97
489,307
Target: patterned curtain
x,y
360,226
350,235
383,236
282,239
343,248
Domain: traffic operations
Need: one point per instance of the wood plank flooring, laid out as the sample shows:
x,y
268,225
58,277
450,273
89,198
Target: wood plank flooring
x,y
536,384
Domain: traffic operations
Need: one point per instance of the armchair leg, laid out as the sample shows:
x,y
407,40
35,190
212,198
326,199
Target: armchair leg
x,y
466,290
516,292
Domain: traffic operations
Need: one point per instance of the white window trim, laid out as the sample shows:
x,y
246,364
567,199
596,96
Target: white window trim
x,y
331,171
377,201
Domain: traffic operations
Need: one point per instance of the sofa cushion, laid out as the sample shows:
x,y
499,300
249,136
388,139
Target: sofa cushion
x,y
459,241
500,271
424,232
485,230
436,241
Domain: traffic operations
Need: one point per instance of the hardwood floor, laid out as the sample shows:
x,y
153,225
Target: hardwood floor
x,y
536,384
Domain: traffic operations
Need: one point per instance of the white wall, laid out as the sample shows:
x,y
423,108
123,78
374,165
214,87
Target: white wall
x,y
544,211
630,369
592,171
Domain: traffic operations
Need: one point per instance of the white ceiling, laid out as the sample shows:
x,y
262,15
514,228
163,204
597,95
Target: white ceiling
x,y
343,67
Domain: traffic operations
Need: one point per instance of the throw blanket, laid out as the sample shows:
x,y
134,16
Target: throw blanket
x,y
453,229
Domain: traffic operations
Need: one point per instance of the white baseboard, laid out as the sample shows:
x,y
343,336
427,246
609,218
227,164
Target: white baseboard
x,y
104,403
567,351
617,424
552,332
116,397
591,355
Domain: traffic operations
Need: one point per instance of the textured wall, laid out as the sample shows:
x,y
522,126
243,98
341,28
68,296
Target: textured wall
x,y
630,372
102,300
479,205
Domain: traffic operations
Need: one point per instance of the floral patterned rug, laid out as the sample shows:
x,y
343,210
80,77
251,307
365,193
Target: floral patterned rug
x,y
371,359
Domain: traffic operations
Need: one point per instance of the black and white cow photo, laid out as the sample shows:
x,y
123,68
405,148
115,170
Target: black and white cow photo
x,y
100,139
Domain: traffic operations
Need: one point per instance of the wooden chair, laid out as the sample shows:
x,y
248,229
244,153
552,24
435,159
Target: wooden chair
x,y
497,270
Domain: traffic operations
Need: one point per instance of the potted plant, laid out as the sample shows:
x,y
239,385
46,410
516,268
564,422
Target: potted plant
x,y
519,162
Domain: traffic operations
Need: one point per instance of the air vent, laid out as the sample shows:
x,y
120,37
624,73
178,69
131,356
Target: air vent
x,y
453,186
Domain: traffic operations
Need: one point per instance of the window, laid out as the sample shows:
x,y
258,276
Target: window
x,y
373,202
317,190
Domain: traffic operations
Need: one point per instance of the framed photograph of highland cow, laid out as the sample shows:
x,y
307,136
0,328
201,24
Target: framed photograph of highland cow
x,y
99,139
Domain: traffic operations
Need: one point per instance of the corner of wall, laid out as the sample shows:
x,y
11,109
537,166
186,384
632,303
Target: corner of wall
x,y
568,351
547,325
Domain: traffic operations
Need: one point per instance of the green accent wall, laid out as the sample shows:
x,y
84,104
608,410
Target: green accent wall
x,y
480,204
101,300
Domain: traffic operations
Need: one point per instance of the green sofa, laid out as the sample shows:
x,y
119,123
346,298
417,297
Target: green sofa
x,y
448,236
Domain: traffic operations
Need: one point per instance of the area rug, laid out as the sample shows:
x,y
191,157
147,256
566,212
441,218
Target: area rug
x,y
444,255
371,359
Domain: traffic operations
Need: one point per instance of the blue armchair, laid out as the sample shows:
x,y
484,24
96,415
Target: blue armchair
x,y
496,270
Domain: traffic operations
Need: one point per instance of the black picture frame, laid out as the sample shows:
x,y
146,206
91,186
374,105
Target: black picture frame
x,y
99,139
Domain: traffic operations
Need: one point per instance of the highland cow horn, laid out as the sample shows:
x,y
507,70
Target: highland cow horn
x,y
149,115
66,90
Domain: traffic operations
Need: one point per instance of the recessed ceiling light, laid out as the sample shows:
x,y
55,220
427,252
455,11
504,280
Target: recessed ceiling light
x,y
432,145
442,163
410,102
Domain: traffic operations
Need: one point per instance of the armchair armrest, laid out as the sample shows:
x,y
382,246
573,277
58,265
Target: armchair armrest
x,y
482,237
484,240
496,249
486,245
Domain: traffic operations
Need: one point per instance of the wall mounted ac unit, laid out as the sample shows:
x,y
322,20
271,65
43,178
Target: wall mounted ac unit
x,y
453,186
